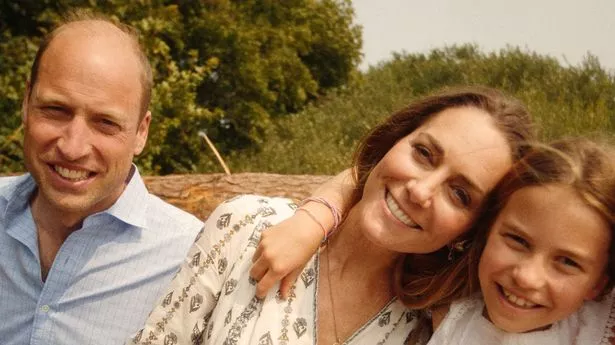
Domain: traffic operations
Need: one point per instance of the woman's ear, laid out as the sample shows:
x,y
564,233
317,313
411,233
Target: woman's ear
x,y
597,290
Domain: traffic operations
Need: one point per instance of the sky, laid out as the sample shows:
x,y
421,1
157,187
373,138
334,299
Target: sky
x,y
564,29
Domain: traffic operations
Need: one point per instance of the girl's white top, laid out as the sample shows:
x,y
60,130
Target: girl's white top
x,y
465,324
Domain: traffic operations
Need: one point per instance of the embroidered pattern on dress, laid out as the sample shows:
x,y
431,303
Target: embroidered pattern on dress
x,y
300,326
283,338
236,329
195,302
265,339
403,316
307,276
222,222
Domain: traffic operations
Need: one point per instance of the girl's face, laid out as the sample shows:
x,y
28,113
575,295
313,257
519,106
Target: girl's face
x,y
546,254
429,187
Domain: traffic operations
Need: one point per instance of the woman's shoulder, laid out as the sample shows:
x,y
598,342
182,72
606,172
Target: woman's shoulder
x,y
255,205
242,219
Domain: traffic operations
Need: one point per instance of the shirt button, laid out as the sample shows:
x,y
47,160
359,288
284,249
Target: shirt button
x,y
45,308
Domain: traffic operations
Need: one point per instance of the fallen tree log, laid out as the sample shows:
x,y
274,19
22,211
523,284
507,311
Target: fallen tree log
x,y
199,194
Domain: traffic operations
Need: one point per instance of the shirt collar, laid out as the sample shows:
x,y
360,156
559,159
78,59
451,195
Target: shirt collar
x,y
130,207
15,193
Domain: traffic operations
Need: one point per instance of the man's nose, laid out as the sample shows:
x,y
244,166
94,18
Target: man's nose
x,y
75,141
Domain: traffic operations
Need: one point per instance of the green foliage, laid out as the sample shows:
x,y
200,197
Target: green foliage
x,y
565,100
222,66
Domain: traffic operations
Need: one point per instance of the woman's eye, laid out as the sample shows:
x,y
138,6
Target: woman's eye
x,y
462,196
423,153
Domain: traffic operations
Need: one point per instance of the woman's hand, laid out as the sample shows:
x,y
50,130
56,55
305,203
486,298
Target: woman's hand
x,y
283,251
285,248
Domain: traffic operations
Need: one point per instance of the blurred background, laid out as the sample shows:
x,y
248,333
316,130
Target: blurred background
x,y
291,86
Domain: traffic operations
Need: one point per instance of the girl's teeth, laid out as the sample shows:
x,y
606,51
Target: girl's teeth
x,y
398,213
518,301
73,175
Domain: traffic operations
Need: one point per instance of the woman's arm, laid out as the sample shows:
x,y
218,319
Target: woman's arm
x,y
285,248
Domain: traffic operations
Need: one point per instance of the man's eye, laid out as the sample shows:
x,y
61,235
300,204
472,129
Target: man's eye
x,y
107,122
109,126
53,109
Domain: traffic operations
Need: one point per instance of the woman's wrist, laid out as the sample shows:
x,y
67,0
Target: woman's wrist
x,y
323,215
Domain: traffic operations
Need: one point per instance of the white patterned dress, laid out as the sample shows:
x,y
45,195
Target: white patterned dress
x,y
211,299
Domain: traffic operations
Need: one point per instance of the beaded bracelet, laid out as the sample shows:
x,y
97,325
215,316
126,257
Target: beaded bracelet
x,y
337,215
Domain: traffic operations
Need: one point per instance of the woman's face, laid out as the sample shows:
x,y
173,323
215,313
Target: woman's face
x,y
430,186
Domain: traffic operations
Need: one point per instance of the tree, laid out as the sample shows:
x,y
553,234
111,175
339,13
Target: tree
x,y
224,66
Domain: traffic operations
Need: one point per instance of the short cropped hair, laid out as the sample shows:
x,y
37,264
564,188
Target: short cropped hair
x,y
132,33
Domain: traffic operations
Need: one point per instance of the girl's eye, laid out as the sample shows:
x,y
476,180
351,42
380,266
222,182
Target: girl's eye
x,y
461,196
569,262
517,241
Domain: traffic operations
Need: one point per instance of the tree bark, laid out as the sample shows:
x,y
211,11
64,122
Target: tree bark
x,y
200,194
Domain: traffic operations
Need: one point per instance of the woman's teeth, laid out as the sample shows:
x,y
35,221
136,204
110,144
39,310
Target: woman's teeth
x,y
73,175
518,301
398,213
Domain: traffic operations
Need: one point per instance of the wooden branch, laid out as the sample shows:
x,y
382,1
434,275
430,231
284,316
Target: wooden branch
x,y
200,194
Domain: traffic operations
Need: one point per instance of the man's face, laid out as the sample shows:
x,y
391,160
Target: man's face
x,y
81,121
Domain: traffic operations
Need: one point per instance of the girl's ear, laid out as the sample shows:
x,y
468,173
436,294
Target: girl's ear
x,y
593,293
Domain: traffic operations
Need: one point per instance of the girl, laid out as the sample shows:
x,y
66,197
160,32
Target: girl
x,y
542,249
460,142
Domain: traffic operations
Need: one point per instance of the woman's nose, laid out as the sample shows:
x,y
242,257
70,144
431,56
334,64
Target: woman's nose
x,y
423,188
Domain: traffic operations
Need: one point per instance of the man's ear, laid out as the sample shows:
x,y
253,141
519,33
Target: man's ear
x,y
142,132
24,103
597,290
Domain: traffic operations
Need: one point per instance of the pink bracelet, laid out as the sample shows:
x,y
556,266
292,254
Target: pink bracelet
x,y
324,231
337,215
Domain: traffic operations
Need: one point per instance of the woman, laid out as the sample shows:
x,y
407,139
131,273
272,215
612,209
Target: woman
x,y
422,177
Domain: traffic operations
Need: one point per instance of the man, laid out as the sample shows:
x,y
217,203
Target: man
x,y
85,250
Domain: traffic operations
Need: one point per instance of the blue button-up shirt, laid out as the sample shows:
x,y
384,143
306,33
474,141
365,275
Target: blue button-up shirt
x,y
105,278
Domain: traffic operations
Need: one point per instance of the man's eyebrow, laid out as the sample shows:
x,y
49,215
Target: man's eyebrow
x,y
437,146
49,98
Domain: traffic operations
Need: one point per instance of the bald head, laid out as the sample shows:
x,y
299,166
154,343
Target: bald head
x,y
94,34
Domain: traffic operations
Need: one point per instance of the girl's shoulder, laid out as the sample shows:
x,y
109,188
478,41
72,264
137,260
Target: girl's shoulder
x,y
597,321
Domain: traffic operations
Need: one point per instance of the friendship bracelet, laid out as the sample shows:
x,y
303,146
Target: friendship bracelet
x,y
337,215
324,231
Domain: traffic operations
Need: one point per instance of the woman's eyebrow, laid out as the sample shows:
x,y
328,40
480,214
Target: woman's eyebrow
x,y
437,146
465,180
